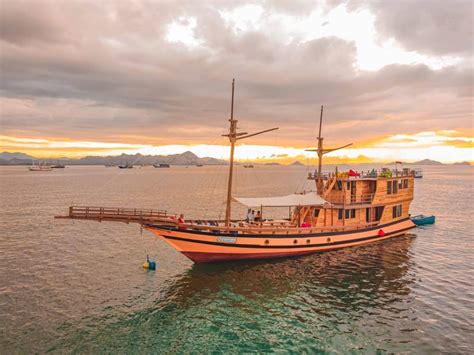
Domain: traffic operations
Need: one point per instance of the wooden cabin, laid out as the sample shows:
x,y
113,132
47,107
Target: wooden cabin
x,y
362,201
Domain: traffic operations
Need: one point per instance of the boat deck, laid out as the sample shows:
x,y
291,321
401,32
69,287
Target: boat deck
x,y
162,218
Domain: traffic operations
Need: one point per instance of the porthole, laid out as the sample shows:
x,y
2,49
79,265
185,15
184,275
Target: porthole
x,y
308,241
267,242
329,240
295,241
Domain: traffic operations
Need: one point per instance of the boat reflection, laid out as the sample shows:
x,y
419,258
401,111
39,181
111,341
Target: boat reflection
x,y
350,278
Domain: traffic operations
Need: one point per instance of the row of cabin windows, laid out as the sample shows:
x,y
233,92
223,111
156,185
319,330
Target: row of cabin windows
x,y
395,185
350,213
396,211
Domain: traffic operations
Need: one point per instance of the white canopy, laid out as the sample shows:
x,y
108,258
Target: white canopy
x,y
310,199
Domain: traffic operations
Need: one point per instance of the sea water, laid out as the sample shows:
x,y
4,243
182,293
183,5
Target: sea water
x,y
79,286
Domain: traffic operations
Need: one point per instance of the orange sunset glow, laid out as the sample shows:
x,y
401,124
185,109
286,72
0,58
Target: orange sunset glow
x,y
447,147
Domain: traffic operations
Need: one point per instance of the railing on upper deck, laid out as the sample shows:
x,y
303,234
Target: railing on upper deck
x,y
352,200
374,174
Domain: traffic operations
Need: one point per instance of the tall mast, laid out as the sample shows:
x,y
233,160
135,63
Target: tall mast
x,y
321,151
319,183
233,138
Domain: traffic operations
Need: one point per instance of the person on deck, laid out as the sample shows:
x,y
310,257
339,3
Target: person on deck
x,y
258,217
249,215
252,217
181,221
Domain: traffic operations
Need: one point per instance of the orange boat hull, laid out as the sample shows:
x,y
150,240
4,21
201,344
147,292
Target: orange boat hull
x,y
204,247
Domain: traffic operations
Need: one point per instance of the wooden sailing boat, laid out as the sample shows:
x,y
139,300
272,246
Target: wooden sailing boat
x,y
40,167
347,210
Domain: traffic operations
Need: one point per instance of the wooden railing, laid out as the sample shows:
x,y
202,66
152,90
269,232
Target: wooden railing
x,y
362,199
353,200
264,228
118,214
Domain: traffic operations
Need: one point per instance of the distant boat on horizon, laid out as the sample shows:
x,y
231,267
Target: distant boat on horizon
x,y
418,173
161,166
40,167
58,165
125,166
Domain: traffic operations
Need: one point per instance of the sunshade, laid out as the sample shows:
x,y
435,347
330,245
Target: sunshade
x,y
310,199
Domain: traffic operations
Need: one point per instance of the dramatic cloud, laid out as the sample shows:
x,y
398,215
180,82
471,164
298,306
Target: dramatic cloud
x,y
159,73
431,26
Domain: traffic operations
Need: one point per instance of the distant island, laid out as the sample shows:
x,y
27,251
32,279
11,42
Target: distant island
x,y
296,163
186,158
430,162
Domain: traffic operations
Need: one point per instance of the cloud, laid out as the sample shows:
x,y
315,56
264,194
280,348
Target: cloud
x,y
431,26
110,72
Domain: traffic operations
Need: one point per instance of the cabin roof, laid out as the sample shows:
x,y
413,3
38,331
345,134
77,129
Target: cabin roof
x,y
310,199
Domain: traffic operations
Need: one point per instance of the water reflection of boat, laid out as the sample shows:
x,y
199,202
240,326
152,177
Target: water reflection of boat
x,y
349,279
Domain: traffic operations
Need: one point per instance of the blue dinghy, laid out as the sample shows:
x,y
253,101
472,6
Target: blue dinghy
x,y
421,220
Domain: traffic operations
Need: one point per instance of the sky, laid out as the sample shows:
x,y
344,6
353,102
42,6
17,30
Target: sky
x,y
85,77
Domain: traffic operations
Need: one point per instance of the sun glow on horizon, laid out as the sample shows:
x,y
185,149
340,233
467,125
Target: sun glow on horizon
x,y
444,146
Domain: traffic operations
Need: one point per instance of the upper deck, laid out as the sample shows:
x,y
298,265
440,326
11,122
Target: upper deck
x,y
366,189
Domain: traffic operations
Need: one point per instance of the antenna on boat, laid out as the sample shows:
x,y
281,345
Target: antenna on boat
x,y
234,136
320,151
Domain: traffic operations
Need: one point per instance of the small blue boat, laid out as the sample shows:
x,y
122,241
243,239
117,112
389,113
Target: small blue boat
x,y
421,220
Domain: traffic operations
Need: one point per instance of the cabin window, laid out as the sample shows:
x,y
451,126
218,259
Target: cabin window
x,y
339,214
396,211
400,184
350,213
405,184
339,185
316,212
395,186
389,187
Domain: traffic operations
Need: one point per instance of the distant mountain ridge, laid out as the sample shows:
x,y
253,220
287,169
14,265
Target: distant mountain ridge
x,y
431,162
186,158
16,155
421,162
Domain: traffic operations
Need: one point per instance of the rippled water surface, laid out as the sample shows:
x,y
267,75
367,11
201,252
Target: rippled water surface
x,y
79,287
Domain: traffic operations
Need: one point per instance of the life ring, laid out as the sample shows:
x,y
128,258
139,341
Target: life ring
x,y
381,233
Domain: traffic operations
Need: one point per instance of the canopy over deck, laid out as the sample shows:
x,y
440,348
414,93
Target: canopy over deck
x,y
311,199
